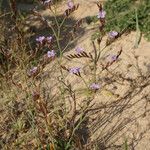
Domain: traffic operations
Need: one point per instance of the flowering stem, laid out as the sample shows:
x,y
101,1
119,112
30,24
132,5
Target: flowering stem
x,y
100,51
95,61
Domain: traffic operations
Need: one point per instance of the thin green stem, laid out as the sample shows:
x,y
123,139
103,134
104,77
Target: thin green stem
x,y
85,82
77,126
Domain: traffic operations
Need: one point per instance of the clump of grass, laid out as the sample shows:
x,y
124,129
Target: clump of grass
x,y
121,15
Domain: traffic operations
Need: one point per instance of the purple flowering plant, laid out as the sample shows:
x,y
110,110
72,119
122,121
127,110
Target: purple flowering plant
x,y
94,56
44,39
58,91
51,108
40,39
51,54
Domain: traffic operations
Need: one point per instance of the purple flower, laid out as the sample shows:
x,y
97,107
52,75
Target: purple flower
x,y
74,70
51,54
112,34
79,50
47,1
101,14
33,70
40,39
95,86
49,39
70,4
112,58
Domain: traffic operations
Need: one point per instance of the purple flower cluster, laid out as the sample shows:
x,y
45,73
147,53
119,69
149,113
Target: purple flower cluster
x,y
74,70
51,54
101,14
94,86
79,50
70,4
49,39
33,71
41,39
112,34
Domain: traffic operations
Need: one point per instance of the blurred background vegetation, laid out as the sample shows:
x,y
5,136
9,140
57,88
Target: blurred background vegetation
x,y
121,15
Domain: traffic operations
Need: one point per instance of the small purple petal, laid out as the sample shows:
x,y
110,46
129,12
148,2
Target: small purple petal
x,y
40,39
33,70
51,54
112,34
94,86
101,14
79,50
112,58
49,39
74,70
